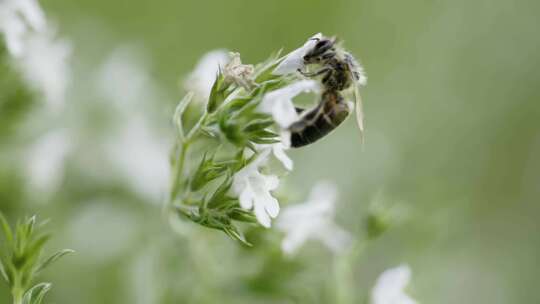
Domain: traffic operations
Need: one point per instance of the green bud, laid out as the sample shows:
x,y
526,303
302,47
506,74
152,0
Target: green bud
x,y
218,93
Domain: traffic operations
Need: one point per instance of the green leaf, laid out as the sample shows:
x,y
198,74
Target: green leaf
x,y
36,294
220,195
55,257
264,70
29,226
3,272
179,112
8,234
258,124
33,250
233,233
218,93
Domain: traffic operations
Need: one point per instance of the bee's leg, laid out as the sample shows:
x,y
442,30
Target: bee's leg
x,y
328,55
314,74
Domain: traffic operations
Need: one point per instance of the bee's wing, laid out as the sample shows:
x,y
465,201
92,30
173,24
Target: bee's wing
x,y
358,108
357,75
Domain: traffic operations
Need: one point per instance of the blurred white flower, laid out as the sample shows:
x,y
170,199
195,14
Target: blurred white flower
x,y
141,157
101,231
135,148
202,78
253,190
124,80
40,57
313,220
236,72
44,65
17,18
295,59
279,103
45,161
390,287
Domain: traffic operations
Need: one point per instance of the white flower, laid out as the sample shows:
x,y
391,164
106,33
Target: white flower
x,y
390,287
295,59
279,102
40,58
45,161
44,65
238,73
141,157
135,149
101,230
313,220
253,190
278,150
202,78
17,18
125,81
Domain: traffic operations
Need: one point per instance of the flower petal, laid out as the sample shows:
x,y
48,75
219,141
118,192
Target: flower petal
x,y
279,153
262,216
272,207
279,103
295,59
293,241
390,286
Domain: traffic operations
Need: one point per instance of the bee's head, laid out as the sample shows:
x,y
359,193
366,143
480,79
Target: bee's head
x,y
321,48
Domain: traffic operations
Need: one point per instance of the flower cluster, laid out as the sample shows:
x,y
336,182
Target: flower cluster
x,y
234,142
242,127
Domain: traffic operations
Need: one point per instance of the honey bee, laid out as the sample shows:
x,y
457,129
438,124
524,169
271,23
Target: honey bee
x,y
339,71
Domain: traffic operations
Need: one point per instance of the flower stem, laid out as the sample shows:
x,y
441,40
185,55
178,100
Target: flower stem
x,y
17,294
177,183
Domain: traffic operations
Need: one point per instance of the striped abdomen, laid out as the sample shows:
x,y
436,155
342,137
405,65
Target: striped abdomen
x,y
320,121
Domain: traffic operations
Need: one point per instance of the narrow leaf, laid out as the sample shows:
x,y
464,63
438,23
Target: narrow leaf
x,y
36,294
3,272
55,257
179,112
8,234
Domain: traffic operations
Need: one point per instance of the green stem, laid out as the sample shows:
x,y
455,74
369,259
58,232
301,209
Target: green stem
x,y
177,183
197,127
180,161
17,294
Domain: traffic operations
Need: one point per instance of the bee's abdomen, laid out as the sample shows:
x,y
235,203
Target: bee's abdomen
x,y
320,121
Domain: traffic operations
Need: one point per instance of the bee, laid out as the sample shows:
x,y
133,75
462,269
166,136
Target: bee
x,y
339,71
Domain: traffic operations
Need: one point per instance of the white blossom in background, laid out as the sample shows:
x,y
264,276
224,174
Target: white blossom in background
x,y
101,230
44,65
279,102
390,287
295,59
17,19
200,81
125,81
140,155
45,161
41,58
134,147
313,219
254,190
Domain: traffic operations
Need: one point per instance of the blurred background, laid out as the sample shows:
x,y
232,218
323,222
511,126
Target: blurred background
x,y
453,136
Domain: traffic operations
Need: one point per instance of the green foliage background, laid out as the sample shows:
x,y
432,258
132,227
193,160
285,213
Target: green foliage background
x,y
452,118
